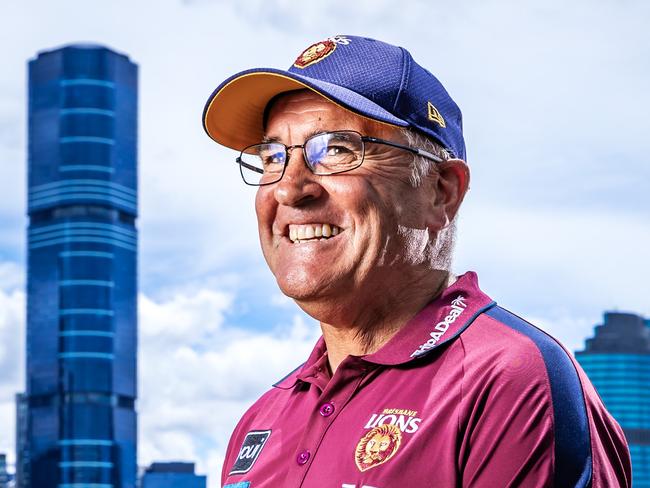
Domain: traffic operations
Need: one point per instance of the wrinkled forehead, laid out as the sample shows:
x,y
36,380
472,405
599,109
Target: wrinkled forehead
x,y
298,105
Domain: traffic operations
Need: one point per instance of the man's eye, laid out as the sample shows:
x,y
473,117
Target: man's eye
x,y
337,150
273,159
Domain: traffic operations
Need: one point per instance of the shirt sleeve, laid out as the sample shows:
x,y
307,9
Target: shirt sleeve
x,y
507,435
529,418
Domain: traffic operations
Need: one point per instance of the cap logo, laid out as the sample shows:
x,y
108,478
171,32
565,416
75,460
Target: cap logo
x,y
435,116
377,446
315,53
319,51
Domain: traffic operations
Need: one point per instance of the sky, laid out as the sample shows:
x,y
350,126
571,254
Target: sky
x,y
556,222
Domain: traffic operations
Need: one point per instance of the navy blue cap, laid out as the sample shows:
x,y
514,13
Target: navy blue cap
x,y
368,77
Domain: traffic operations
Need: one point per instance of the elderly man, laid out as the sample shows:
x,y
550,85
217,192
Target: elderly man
x,y
419,378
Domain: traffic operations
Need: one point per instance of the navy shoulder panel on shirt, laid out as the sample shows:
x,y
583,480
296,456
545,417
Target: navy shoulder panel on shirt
x,y
289,380
572,437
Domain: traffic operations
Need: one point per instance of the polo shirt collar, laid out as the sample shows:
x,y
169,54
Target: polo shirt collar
x,y
439,323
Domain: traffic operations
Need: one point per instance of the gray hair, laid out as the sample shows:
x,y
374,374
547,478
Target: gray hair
x,y
422,166
441,254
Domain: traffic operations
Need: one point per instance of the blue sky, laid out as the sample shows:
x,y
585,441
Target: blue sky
x,y
556,223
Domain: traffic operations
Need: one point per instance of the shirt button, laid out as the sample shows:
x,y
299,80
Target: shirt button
x,y
303,457
327,409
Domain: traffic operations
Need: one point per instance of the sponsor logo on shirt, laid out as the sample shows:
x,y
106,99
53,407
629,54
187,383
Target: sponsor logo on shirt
x,y
458,306
250,450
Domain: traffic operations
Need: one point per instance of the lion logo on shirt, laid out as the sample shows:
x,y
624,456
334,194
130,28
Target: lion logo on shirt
x,y
377,446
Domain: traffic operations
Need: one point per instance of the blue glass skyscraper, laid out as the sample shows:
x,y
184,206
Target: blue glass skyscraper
x,y
172,475
81,277
617,361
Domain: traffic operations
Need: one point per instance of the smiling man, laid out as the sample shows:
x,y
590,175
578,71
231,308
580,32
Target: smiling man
x,y
419,379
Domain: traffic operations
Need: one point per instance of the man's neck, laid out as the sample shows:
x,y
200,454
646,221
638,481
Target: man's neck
x,y
370,332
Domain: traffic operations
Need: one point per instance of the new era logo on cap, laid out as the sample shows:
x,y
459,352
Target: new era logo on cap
x,y
434,115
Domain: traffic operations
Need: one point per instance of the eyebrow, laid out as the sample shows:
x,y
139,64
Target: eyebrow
x,y
318,130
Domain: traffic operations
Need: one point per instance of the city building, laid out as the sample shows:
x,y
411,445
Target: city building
x,y
4,474
79,402
617,360
172,475
22,450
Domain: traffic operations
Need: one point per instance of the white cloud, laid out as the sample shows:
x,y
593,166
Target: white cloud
x,y
554,263
198,375
12,276
187,318
549,100
12,351
570,331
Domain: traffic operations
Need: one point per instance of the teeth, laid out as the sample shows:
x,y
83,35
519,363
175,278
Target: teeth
x,y
321,232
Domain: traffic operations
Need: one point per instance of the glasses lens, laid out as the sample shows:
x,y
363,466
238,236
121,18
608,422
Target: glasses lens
x,y
334,152
262,164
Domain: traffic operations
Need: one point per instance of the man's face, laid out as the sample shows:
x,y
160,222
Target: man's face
x,y
384,221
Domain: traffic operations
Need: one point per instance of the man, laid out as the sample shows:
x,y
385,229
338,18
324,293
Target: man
x,y
419,379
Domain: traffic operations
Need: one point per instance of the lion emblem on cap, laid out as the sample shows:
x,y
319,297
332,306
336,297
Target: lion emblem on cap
x,y
315,53
377,446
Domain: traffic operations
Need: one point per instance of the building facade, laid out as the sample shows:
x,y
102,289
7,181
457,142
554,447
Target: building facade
x,y
617,361
80,426
4,474
172,475
22,451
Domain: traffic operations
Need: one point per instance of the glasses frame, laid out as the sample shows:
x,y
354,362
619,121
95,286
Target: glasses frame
x,y
288,149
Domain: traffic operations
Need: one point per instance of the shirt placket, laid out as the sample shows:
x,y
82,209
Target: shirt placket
x,y
331,402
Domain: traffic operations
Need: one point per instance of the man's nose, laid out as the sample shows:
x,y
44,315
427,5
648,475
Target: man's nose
x,y
299,185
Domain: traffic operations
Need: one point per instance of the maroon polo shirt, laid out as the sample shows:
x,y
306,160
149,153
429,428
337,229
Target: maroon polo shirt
x,y
466,394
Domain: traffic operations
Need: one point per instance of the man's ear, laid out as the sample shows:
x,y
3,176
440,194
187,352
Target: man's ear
x,y
449,187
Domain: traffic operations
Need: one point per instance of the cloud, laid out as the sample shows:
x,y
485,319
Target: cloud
x,y
549,101
548,263
570,331
198,374
12,276
189,318
12,351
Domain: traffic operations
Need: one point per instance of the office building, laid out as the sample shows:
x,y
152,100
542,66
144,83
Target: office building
x,y
22,450
80,418
617,360
4,474
172,475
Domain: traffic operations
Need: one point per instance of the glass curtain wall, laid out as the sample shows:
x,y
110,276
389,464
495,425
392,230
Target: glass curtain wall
x,y
617,361
82,270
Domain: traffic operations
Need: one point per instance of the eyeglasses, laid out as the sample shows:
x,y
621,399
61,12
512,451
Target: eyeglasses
x,y
327,153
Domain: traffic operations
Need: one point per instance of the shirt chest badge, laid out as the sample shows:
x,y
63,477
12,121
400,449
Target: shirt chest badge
x,y
250,450
384,437
377,446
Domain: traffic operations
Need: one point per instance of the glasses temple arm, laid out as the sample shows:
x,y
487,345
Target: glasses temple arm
x,y
415,150
248,166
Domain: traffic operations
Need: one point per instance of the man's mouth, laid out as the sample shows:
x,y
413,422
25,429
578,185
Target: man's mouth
x,y
312,232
